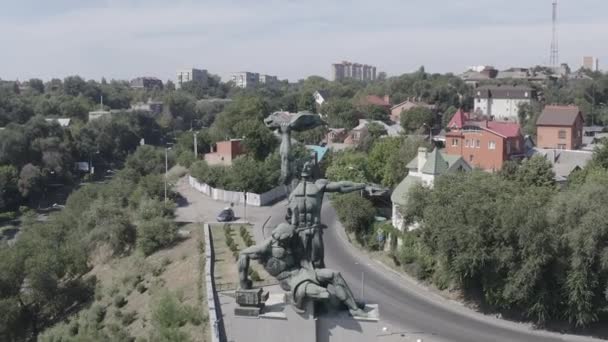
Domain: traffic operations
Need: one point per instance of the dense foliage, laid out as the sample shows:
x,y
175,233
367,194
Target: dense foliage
x,y
515,239
43,274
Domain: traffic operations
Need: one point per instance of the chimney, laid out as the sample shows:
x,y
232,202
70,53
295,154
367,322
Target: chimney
x,y
387,99
422,153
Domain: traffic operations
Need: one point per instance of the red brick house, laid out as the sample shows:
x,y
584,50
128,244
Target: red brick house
x,y
224,152
560,127
482,143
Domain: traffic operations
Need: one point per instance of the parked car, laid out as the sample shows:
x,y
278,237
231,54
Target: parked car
x,y
225,215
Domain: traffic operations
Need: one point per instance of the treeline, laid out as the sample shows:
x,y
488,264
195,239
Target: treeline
x,y
515,242
43,275
38,153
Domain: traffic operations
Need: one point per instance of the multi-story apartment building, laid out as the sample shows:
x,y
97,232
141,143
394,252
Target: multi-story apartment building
x,y
590,63
502,102
246,79
361,72
147,83
191,74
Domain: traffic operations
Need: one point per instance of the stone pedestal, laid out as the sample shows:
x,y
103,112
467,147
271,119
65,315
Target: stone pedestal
x,y
278,321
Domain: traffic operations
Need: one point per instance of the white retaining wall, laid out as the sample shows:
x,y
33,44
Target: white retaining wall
x,y
212,301
236,197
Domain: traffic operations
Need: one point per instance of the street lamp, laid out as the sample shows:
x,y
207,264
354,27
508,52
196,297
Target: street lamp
x,y
166,170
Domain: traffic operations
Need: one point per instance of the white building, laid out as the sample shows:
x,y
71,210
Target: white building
x,y
502,102
191,74
246,79
422,170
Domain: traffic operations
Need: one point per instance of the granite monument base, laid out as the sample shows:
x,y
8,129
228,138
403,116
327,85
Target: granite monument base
x,y
278,321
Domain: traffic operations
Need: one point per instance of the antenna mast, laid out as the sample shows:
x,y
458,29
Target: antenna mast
x,y
554,59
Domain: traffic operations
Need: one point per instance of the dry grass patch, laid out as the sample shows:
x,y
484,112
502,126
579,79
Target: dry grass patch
x,y
225,272
130,290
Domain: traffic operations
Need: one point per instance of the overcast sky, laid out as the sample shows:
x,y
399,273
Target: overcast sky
x,y
291,39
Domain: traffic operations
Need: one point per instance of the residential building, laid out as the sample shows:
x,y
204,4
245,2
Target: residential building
x,y
560,127
98,114
246,79
564,162
482,143
154,107
191,74
335,136
478,74
406,105
270,81
147,83
502,102
348,70
321,96
357,134
423,169
224,152
374,100
63,122
590,63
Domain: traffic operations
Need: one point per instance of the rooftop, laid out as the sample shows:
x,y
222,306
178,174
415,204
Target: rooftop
x,y
376,100
558,116
564,162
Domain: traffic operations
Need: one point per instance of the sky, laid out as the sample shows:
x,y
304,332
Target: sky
x,y
292,39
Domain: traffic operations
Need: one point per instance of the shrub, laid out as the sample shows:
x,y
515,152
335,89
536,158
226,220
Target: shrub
x,y
98,313
155,234
141,288
128,318
120,301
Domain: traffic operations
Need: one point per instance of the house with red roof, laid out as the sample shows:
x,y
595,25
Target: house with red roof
x,y
375,100
482,143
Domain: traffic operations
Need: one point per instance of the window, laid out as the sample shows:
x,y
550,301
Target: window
x,y
471,158
492,145
477,144
454,142
466,143
508,147
562,134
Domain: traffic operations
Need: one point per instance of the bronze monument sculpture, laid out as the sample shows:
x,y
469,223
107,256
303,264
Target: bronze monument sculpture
x,y
294,252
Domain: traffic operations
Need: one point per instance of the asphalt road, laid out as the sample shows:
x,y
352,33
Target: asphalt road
x,y
407,308
409,311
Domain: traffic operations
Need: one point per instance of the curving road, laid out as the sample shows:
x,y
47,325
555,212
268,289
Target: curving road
x,y
408,309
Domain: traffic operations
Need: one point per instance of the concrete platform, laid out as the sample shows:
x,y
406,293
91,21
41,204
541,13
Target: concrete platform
x,y
280,322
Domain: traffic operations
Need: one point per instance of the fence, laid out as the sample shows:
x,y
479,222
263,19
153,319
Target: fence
x,y
236,197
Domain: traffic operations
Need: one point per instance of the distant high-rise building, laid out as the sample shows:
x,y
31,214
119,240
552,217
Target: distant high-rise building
x,y
191,74
146,83
246,79
361,72
590,63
